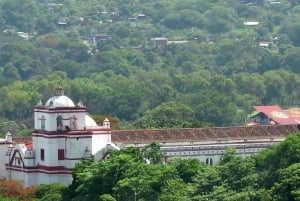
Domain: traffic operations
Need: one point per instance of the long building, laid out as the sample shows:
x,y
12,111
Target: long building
x,y
206,144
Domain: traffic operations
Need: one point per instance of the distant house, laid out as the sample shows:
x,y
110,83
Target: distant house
x,y
24,35
265,44
269,45
53,6
133,21
62,22
98,37
177,41
253,23
141,16
273,114
160,41
273,2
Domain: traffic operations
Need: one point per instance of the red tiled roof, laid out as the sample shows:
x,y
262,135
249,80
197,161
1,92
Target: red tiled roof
x,y
22,140
195,134
29,145
202,134
280,116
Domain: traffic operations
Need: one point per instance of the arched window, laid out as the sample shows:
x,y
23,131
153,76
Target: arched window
x,y
211,162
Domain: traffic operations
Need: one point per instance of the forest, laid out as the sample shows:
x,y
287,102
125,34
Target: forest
x,y
221,58
271,175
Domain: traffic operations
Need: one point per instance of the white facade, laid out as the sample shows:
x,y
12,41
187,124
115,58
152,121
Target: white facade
x,y
210,152
63,135
5,144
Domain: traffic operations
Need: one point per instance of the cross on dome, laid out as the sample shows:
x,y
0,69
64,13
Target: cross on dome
x,y
59,91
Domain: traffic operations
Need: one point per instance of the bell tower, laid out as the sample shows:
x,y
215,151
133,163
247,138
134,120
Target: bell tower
x,y
63,135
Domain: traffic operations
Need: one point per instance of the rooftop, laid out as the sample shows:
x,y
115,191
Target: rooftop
x,y
196,134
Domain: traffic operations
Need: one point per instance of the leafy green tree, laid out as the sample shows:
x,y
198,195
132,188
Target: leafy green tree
x,y
187,168
49,192
71,67
92,179
107,197
291,59
218,19
274,87
183,19
269,61
278,157
293,31
205,182
74,51
152,153
287,187
122,30
212,107
174,189
166,116
249,83
11,73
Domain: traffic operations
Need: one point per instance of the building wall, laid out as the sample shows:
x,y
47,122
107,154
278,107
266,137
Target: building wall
x,y
3,150
51,119
76,145
35,178
99,141
210,152
50,147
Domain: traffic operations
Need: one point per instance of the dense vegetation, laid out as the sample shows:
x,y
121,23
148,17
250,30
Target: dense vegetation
x,y
213,78
272,175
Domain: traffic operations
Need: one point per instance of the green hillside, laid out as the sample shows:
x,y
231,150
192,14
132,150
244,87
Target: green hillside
x,y
150,64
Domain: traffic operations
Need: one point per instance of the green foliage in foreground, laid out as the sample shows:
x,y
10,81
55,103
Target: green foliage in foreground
x,y
2,198
274,174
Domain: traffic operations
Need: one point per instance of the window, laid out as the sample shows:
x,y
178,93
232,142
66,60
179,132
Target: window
x,y
42,155
43,122
61,154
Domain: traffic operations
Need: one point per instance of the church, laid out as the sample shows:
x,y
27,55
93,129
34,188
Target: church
x,y
63,135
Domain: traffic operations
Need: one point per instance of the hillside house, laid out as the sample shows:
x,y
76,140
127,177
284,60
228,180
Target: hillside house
x,y
98,37
160,41
273,114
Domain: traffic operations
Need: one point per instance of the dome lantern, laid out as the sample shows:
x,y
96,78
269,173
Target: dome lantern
x,y
60,100
59,91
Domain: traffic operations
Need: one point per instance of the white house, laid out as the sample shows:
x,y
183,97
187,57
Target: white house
x,y
63,135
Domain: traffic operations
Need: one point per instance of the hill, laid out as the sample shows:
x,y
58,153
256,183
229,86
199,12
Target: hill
x,y
151,64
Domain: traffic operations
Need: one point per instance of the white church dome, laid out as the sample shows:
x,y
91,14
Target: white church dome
x,y
60,100
89,121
